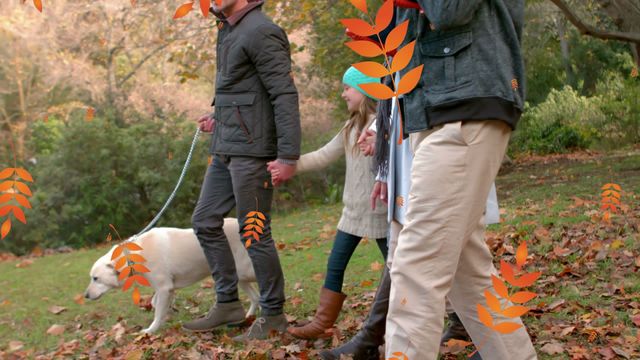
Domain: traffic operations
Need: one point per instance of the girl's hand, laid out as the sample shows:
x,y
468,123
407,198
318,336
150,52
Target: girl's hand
x,y
367,142
379,191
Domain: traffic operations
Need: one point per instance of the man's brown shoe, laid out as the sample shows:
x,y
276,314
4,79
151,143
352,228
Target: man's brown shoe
x,y
220,314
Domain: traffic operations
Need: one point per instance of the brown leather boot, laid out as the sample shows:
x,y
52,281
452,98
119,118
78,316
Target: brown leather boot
x,y
326,315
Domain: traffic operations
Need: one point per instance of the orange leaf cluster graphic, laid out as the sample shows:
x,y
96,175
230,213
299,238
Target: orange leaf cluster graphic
x,y
130,267
398,356
371,49
253,227
493,302
13,194
610,200
186,8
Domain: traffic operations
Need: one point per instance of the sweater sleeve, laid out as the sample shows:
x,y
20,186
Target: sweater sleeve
x,y
444,14
323,157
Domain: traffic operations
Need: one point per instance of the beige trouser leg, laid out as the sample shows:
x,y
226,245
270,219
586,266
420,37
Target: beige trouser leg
x,y
441,249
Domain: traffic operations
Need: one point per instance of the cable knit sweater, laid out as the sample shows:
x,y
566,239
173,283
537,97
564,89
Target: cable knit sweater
x,y
357,217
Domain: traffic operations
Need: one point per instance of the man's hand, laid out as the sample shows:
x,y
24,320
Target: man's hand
x,y
379,192
207,123
367,142
280,172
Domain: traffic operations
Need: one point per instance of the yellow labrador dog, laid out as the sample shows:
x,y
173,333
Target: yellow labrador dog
x,y
176,260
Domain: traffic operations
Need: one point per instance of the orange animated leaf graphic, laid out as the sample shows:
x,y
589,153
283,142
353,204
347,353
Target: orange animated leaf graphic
x,y
410,80
403,57
522,297
38,4
396,36
6,173
365,48
525,280
485,316
360,5
183,10
379,91
492,301
500,287
5,229
521,254
133,246
384,15
136,296
506,327
359,27
254,226
515,311
136,258
117,252
372,68
204,7
399,356
23,188
125,273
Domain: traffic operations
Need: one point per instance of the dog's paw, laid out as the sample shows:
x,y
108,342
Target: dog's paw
x,y
148,331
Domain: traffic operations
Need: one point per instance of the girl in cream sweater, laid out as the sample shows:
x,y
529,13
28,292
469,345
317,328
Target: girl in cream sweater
x,y
358,219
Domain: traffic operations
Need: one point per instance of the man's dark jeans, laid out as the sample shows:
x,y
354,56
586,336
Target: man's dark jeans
x,y
343,247
243,183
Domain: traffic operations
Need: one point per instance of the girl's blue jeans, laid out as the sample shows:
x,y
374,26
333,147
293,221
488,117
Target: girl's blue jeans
x,y
343,247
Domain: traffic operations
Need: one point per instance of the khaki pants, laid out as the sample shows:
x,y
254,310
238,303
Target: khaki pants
x,y
441,251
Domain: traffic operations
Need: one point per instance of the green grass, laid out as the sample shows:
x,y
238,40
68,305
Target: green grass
x,y
305,237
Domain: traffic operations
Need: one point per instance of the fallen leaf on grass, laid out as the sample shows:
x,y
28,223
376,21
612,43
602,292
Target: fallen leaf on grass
x,y
552,348
318,277
56,330
134,355
55,309
636,320
295,301
24,263
455,346
15,345
366,283
376,266
79,299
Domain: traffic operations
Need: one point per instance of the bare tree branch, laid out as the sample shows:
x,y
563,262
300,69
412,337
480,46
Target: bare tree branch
x,y
587,29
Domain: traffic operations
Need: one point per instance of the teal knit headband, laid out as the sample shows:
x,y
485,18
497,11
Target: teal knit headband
x,y
353,77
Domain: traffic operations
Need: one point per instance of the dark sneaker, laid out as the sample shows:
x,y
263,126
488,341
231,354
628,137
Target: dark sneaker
x,y
220,314
264,327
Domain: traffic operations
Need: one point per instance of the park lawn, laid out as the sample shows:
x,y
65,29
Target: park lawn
x,y
589,292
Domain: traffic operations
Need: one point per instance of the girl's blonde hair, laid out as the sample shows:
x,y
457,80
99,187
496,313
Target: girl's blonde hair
x,y
359,120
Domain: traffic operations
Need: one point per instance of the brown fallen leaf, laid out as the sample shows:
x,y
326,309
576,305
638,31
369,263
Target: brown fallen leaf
x,y
554,305
56,330
135,354
636,320
620,352
566,331
376,266
607,353
318,277
15,345
366,283
79,299
455,346
24,263
552,348
55,309
295,301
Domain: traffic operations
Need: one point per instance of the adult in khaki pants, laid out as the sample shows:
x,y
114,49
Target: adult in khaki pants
x,y
460,118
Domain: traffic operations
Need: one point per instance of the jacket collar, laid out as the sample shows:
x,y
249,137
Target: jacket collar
x,y
235,18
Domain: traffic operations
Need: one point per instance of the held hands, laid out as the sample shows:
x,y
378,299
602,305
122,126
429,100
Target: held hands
x,y
280,172
206,123
379,192
367,142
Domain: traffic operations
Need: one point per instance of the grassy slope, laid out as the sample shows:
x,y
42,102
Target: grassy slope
x,y
541,202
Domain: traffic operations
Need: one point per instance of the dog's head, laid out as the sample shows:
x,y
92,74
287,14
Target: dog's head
x,y
104,277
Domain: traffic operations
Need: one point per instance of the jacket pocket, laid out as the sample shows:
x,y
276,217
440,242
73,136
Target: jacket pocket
x,y
449,59
235,113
